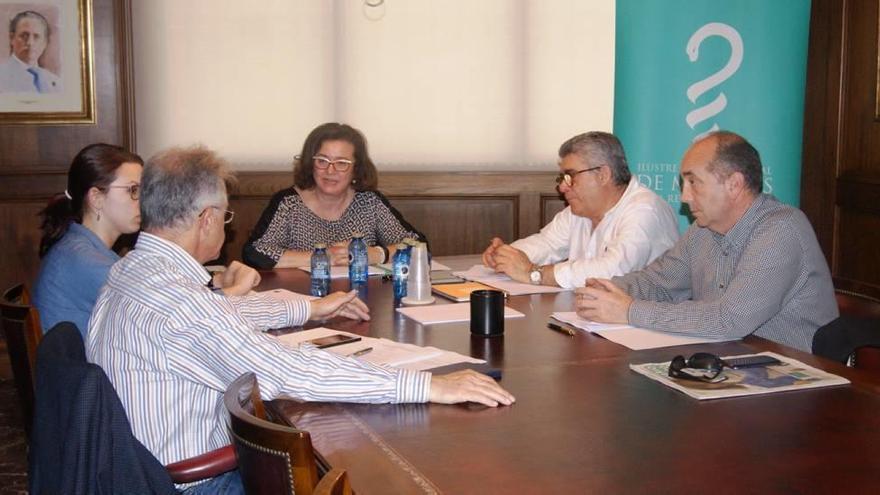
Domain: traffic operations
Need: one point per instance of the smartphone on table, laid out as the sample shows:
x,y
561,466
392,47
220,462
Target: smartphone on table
x,y
333,340
760,360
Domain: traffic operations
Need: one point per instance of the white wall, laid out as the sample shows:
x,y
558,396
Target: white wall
x,y
451,84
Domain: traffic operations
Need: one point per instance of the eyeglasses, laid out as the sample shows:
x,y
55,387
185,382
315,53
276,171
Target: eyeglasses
x,y
227,215
340,164
702,366
134,190
568,178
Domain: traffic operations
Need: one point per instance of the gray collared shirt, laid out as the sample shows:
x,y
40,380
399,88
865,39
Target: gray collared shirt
x,y
766,276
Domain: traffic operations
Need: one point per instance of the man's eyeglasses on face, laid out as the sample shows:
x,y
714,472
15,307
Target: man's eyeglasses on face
x,y
568,177
134,190
227,215
702,366
340,164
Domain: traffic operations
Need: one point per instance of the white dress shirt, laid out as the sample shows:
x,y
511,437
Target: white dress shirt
x,y
15,78
635,231
171,346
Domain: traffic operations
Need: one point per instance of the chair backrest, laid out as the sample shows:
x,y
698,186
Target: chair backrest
x,y
272,458
21,328
857,305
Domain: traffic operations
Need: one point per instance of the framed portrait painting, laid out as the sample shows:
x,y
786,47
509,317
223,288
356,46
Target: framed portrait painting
x,y
46,73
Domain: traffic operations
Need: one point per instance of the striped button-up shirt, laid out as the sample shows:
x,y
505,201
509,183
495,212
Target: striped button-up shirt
x,y
171,346
766,276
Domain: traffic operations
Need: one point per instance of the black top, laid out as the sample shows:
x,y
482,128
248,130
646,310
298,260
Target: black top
x,y
287,223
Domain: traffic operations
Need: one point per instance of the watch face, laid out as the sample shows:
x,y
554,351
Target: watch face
x,y
535,277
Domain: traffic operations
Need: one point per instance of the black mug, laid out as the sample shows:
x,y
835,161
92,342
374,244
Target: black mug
x,y
487,313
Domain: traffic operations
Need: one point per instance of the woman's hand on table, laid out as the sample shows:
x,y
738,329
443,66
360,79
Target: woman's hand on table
x,y
344,304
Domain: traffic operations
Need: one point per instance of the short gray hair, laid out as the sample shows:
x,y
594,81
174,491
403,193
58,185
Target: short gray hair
x,y
599,148
179,183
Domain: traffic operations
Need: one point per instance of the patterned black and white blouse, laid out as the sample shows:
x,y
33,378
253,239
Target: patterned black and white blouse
x,y
287,223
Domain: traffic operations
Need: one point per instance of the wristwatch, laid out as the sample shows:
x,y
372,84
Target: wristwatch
x,y
535,276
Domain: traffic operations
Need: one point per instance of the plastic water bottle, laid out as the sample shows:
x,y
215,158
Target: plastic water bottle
x,y
400,270
357,260
320,271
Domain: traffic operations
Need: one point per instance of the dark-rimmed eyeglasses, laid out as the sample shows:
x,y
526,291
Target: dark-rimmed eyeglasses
x,y
340,164
227,215
568,177
701,366
134,190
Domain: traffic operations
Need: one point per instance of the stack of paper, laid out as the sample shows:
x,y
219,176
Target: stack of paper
x,y
629,336
448,313
383,352
342,271
485,275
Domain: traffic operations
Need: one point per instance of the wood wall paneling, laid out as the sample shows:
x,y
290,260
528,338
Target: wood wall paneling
x,y
34,158
841,169
460,224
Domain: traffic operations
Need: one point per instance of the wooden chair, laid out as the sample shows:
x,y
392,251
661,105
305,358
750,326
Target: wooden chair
x,y
857,305
273,458
21,328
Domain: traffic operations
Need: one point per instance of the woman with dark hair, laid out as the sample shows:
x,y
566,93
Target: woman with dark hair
x,y
334,196
80,227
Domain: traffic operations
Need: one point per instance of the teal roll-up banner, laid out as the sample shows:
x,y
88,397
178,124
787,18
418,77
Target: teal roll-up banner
x,y
686,67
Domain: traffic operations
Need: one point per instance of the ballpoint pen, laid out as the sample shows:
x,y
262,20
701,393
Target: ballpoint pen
x,y
561,329
361,352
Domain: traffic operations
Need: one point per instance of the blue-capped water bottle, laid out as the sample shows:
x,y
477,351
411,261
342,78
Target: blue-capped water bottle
x,y
320,271
400,270
358,262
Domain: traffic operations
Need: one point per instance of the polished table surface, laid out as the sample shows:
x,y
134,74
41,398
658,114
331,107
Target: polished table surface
x,y
584,422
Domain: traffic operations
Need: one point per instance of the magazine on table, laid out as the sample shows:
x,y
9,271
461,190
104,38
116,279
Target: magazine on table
x,y
790,374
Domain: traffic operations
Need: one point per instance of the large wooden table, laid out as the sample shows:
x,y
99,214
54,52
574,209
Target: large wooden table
x,y
584,423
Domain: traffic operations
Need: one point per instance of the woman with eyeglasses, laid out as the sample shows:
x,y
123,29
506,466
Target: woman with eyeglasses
x,y
80,227
334,196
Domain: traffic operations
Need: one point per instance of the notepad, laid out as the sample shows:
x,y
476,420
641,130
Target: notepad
x,y
459,291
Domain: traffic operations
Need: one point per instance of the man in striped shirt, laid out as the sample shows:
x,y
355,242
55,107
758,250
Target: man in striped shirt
x,y
748,264
171,345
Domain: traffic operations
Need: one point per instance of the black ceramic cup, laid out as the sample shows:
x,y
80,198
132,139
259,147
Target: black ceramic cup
x,y
487,313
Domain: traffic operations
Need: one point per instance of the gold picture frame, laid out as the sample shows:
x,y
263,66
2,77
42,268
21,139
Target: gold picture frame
x,y
56,85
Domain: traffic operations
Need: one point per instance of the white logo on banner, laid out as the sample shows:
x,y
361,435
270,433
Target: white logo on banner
x,y
697,89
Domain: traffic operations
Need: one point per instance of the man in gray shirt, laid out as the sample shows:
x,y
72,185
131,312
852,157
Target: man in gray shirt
x,y
748,264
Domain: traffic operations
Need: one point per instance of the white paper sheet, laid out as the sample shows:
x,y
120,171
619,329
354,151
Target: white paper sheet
x,y
629,336
485,275
383,352
435,266
447,313
342,271
286,294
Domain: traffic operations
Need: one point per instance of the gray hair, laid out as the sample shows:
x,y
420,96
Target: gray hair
x,y
734,154
599,148
178,183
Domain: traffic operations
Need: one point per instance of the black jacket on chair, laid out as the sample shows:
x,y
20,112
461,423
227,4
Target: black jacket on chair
x,y
82,440
843,335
